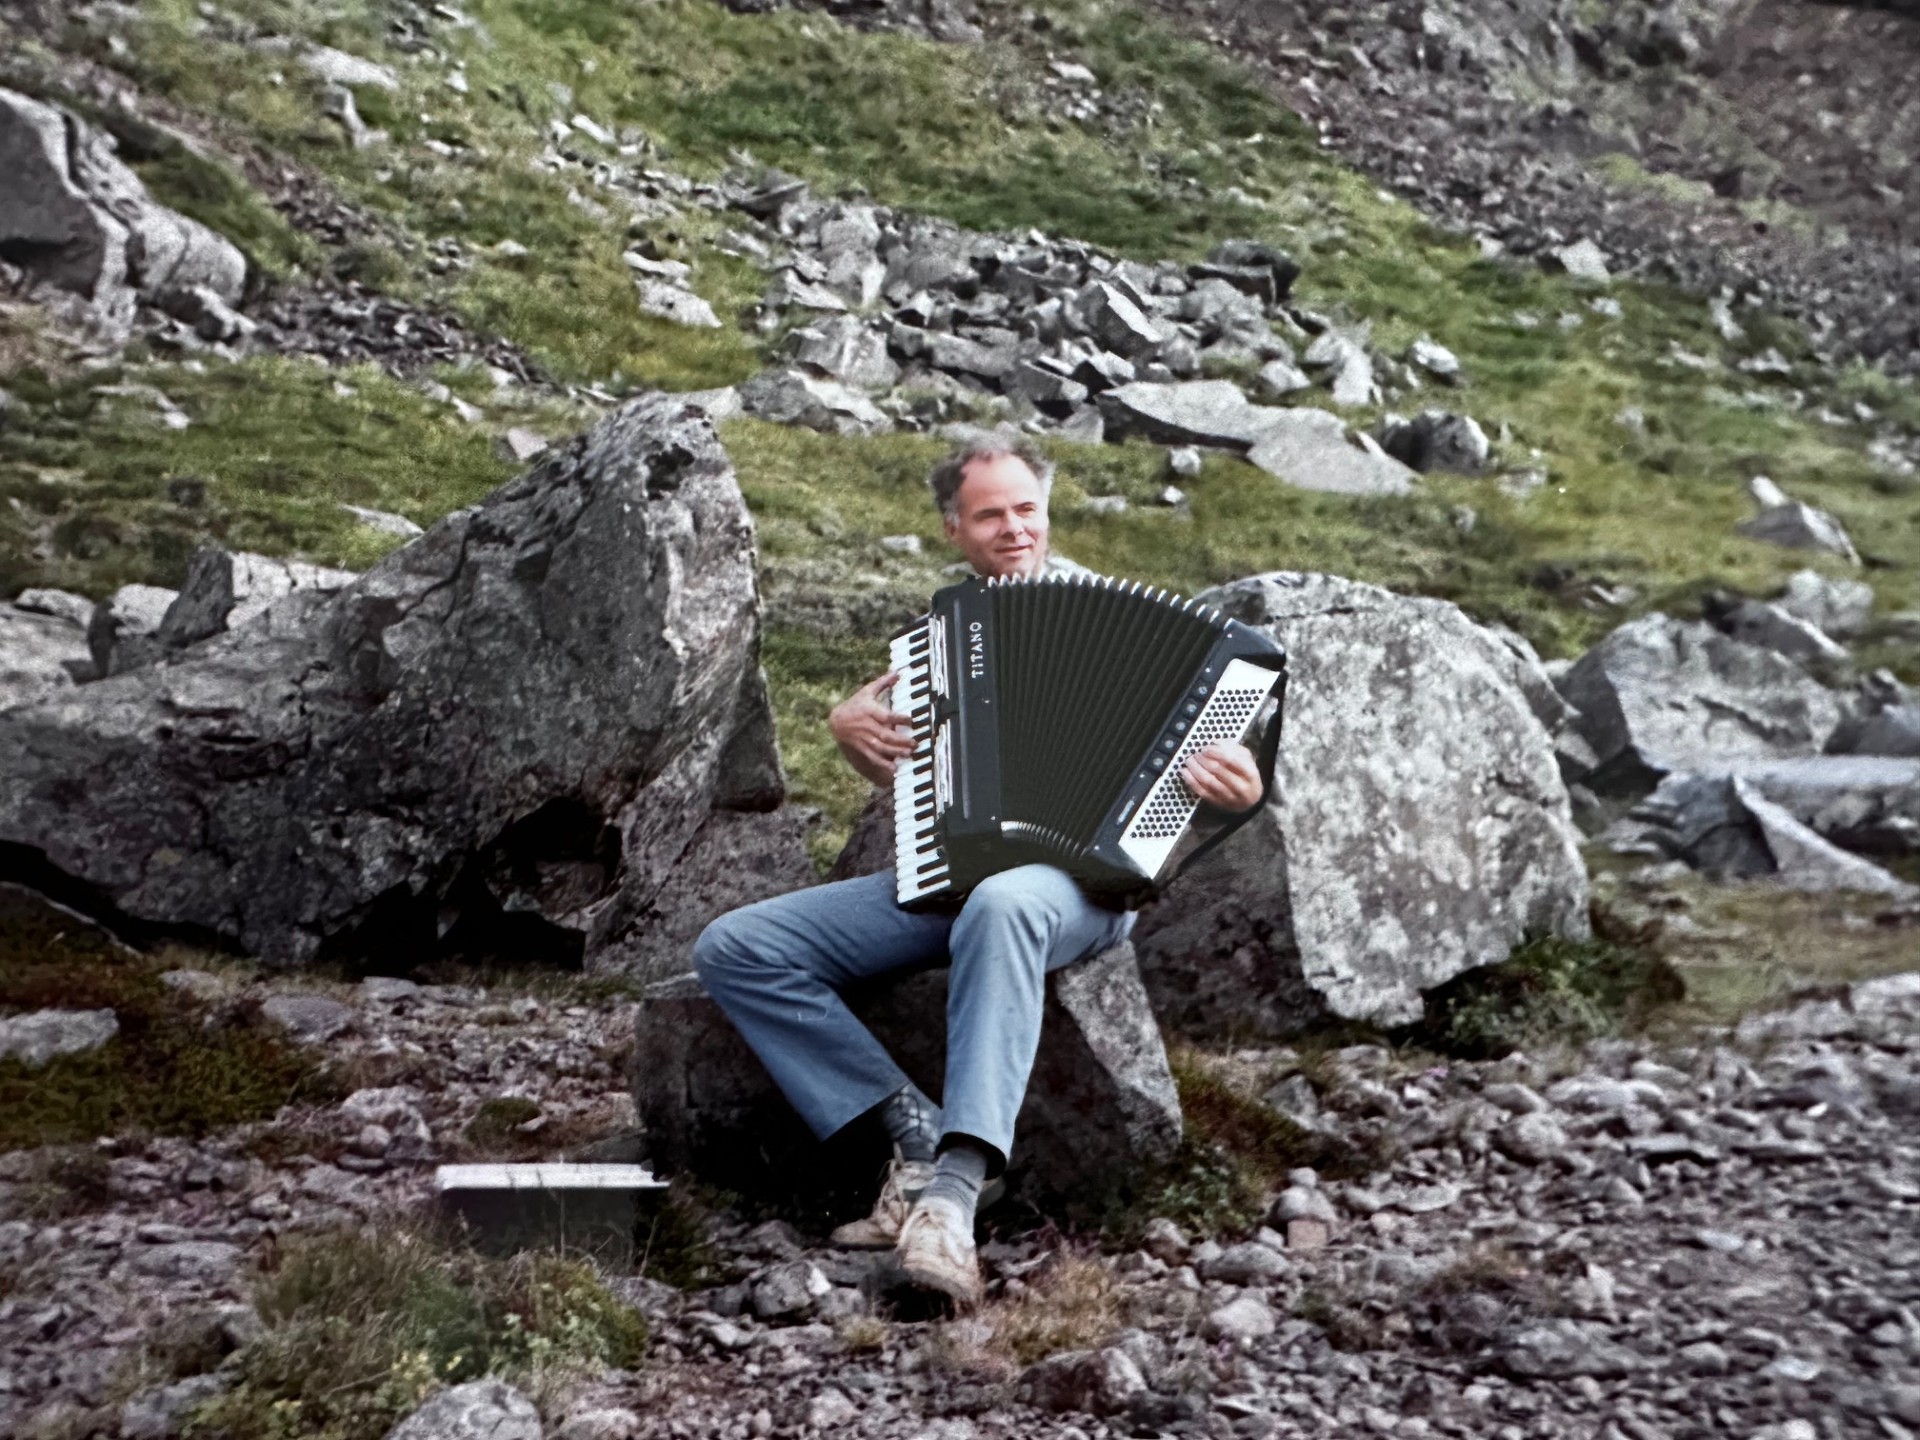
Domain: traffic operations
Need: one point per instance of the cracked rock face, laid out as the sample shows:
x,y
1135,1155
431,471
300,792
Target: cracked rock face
x,y
513,727
1419,826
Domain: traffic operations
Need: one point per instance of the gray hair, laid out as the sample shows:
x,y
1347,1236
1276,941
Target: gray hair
x,y
947,476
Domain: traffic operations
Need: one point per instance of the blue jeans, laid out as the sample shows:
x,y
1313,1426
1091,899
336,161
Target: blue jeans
x,y
776,968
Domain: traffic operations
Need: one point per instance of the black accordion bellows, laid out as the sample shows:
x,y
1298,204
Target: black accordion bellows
x,y
1051,719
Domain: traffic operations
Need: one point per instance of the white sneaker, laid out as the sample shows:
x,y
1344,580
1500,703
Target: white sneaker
x,y
881,1230
936,1251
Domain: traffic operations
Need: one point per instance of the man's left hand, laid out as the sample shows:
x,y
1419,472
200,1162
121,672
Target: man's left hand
x,y
1225,776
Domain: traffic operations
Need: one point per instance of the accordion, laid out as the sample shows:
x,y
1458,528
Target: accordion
x,y
1051,719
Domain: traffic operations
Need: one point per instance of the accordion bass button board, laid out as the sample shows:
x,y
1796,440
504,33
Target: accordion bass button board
x,y
1051,720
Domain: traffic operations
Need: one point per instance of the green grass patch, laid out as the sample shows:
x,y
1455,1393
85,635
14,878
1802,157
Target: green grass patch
x,y
362,1327
273,449
205,187
1742,948
177,1067
966,132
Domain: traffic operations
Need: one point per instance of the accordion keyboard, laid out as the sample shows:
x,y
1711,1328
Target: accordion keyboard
x,y
922,783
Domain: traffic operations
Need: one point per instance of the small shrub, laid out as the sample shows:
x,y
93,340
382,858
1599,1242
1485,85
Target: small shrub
x,y
1346,1325
676,1247
1260,1137
361,1327
1549,991
1201,1189
62,1183
1235,1153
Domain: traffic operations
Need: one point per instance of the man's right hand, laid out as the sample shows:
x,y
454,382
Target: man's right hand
x,y
869,733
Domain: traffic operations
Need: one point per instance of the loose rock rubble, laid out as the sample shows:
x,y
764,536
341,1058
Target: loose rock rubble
x,y
1713,1237
1490,118
958,326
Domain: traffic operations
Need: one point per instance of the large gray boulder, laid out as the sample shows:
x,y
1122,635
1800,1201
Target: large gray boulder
x,y
1660,695
1794,524
78,220
1307,448
1100,1103
1894,730
1840,608
1190,412
1774,627
1864,803
507,733
737,857
1419,828
1437,440
1314,450
791,397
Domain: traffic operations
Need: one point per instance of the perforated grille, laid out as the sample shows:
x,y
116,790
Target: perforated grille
x,y
1169,806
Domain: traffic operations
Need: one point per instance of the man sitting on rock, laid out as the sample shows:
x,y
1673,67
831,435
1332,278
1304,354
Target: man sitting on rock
x,y
776,967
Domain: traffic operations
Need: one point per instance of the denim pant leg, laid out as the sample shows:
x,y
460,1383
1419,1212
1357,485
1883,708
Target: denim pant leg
x,y
1015,927
776,968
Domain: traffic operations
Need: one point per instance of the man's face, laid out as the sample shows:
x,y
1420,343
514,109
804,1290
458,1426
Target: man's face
x,y
999,518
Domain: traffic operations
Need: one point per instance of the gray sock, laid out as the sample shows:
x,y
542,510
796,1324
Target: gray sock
x,y
912,1122
959,1173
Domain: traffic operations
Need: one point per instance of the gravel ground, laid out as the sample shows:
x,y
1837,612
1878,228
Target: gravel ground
x,y
1714,1239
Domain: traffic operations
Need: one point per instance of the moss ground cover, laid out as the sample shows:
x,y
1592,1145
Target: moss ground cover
x,y
1550,990
176,1066
1236,1153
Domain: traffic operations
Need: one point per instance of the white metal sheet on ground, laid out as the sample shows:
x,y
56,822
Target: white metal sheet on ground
x,y
546,1177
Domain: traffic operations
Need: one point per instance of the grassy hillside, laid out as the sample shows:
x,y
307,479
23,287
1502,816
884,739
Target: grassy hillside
x,y
1187,151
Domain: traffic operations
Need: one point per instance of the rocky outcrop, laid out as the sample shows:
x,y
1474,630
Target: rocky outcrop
x,y
40,655
477,1410
1437,440
225,589
506,734
123,631
1419,827
1661,695
1780,823
1101,1099
1053,333
80,222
